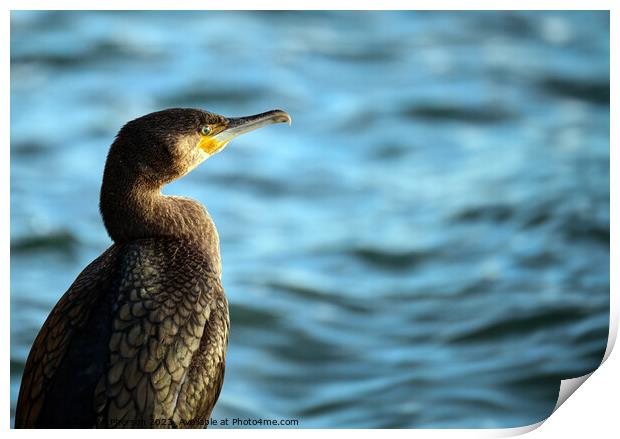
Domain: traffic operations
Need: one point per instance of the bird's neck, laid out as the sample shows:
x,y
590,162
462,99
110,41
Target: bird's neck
x,y
140,211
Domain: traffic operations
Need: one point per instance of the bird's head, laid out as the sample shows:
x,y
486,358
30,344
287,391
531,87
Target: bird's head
x,y
160,147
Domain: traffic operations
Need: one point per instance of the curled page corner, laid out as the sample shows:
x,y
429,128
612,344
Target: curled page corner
x,y
570,386
567,388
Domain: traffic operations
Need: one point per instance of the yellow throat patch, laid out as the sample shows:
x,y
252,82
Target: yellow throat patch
x,y
210,145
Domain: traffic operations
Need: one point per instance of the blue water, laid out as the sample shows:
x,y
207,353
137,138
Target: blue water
x,y
426,246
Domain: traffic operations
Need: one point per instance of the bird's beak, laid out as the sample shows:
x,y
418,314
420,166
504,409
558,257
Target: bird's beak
x,y
235,126
241,125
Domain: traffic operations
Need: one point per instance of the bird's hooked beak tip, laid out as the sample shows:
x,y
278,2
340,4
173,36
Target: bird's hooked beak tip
x,y
282,116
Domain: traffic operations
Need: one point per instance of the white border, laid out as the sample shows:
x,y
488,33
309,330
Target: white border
x,y
592,411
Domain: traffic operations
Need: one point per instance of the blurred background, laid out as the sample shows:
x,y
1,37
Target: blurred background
x,y
426,246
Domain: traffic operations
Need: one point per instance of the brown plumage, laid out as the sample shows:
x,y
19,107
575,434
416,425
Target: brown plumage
x,y
140,337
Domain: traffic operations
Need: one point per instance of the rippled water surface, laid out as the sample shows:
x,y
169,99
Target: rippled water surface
x,y
426,246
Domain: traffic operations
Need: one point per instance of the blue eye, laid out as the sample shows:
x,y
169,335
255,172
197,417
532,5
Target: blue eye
x,y
205,130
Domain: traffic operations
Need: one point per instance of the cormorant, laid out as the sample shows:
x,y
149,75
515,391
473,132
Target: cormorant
x,y
140,337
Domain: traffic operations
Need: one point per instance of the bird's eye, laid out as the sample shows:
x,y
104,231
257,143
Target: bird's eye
x,y
205,130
